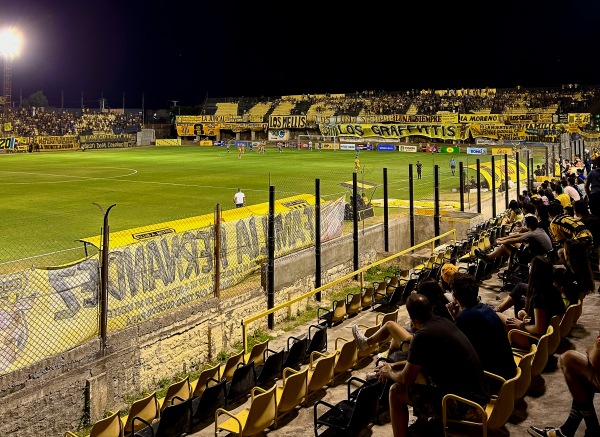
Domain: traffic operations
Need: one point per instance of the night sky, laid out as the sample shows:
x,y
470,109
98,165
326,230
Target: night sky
x,y
186,50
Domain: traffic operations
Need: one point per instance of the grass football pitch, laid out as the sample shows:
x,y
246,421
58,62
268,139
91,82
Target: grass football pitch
x,y
52,199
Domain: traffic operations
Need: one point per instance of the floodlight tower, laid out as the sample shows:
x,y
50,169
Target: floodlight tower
x,y
10,44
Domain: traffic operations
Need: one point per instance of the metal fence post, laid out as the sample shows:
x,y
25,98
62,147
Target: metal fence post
x,y
386,223
217,253
506,179
462,185
436,201
478,185
271,256
103,301
493,187
355,221
411,204
318,237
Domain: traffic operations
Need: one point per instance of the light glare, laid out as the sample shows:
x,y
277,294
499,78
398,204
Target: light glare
x,y
10,42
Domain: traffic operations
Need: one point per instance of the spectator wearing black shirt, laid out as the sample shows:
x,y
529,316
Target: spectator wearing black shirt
x,y
482,326
443,352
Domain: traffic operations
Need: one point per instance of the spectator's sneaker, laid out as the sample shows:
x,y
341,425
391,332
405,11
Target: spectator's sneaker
x,y
549,431
479,254
361,340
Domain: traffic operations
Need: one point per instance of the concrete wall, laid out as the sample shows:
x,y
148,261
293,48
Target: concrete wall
x,y
60,393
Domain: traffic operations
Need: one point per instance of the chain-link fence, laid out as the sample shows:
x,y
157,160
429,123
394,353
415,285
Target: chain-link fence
x,y
51,295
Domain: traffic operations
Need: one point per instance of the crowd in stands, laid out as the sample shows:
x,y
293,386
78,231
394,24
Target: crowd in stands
x,y
28,121
568,98
454,338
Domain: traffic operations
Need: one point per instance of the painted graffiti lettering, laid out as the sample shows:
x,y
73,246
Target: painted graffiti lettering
x,y
69,282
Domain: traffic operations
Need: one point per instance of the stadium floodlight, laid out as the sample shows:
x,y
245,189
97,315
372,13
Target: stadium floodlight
x,y
10,45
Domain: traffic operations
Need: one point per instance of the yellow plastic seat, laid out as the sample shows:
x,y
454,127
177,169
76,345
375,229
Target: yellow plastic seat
x,y
252,420
257,353
381,319
353,304
567,321
495,414
333,316
110,426
392,280
200,383
229,367
380,288
577,312
146,408
320,371
367,297
540,358
347,356
182,389
524,363
555,338
292,392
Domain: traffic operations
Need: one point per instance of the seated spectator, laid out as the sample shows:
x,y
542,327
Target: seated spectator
x,y
592,222
572,180
535,239
548,192
528,209
541,212
569,210
448,270
563,227
578,278
569,189
514,213
542,301
560,279
482,326
582,376
561,196
592,187
543,196
442,352
580,181
432,289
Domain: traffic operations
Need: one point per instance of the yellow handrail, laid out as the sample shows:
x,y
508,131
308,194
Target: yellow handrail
x,y
246,322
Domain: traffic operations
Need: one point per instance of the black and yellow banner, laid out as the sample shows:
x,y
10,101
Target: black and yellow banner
x,y
479,118
52,142
446,132
499,173
288,122
151,270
